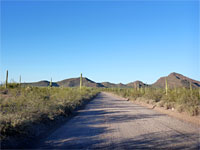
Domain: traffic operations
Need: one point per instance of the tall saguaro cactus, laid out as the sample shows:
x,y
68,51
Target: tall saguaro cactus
x,y
81,82
166,86
20,80
175,89
6,79
199,91
50,84
135,86
190,88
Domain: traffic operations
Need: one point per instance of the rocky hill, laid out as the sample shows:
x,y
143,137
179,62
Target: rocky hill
x,y
75,82
42,83
136,84
173,79
176,80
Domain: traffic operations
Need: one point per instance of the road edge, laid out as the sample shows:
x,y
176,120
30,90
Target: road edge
x,y
195,120
47,127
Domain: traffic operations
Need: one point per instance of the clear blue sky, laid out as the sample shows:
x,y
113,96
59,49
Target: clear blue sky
x,y
116,41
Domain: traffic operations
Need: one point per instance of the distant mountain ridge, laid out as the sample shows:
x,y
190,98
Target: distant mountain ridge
x,y
176,80
42,83
75,82
137,84
173,80
113,85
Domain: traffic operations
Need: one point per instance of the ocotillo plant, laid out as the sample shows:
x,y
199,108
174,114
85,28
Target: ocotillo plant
x,y
50,84
81,81
6,79
166,86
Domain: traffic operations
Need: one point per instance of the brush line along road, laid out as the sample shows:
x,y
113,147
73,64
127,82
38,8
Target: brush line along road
x,y
109,122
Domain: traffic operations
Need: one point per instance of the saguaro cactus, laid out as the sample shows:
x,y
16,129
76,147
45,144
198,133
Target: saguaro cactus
x,y
190,87
6,85
135,86
166,86
175,89
50,84
199,91
20,80
141,90
81,81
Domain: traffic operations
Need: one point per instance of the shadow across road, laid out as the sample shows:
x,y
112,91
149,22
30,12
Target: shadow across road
x,y
110,123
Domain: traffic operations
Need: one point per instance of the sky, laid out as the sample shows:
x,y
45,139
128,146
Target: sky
x,y
115,41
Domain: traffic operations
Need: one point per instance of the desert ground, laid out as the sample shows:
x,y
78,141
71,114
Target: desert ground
x,y
110,122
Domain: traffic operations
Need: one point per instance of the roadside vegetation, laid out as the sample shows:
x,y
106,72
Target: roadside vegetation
x,y
181,99
22,107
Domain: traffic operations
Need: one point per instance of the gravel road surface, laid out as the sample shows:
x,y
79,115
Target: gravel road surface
x,y
109,122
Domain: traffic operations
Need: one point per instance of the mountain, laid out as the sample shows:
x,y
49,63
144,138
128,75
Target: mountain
x,y
121,85
109,85
113,85
173,80
43,83
176,80
75,82
136,84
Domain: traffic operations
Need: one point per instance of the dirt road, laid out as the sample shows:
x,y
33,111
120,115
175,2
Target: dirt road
x,y
109,122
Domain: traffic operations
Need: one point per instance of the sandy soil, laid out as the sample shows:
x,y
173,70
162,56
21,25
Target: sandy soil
x,y
110,122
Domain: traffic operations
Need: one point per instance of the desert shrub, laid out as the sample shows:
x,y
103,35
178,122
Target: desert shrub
x,y
190,102
161,103
170,97
180,108
194,110
169,105
126,92
183,99
154,94
13,85
21,107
